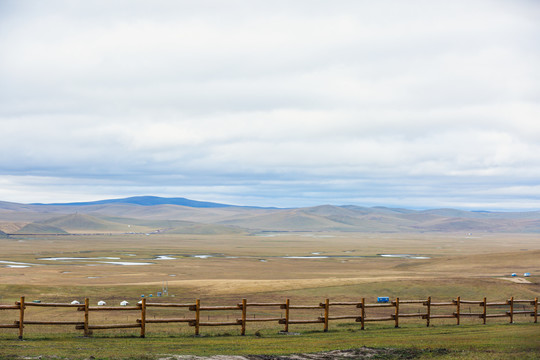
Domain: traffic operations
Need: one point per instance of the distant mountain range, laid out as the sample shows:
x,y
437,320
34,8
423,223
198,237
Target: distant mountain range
x,y
150,214
148,201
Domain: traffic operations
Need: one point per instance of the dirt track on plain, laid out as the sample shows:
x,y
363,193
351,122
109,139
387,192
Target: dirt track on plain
x,y
360,353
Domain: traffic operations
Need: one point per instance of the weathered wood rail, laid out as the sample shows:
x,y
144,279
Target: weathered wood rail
x,y
398,308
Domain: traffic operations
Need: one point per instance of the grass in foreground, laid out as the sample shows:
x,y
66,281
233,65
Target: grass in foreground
x,y
496,341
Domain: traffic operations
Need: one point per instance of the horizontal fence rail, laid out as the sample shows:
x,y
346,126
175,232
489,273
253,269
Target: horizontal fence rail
x,y
393,311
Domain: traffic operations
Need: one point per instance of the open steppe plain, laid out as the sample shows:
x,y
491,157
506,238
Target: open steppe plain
x,y
270,267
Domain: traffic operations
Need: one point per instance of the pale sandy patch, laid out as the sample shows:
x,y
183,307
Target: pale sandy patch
x,y
517,280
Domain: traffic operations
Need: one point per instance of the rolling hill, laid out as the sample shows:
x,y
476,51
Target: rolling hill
x,y
33,229
180,215
148,201
205,229
77,222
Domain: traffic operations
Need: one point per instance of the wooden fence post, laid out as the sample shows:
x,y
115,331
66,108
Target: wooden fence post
x,y
396,316
86,311
143,317
428,315
287,306
21,317
535,310
197,315
484,314
244,315
326,313
512,310
458,308
363,314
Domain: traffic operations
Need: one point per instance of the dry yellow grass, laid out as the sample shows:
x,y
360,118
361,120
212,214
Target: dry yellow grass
x,y
238,267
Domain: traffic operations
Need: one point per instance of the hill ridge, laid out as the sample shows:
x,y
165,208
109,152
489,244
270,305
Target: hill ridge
x,y
143,201
208,217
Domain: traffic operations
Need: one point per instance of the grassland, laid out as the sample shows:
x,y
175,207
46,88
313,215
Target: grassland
x,y
258,268
517,341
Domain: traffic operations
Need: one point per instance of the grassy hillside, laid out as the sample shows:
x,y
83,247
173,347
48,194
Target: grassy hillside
x,y
35,228
291,220
204,229
85,223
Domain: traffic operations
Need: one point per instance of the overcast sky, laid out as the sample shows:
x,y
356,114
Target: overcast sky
x,y
419,104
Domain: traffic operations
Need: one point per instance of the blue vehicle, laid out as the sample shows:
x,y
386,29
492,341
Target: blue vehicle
x,y
383,299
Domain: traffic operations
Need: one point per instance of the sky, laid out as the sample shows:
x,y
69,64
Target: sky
x,y
416,104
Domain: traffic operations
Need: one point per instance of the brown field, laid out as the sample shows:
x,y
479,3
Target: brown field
x,y
246,265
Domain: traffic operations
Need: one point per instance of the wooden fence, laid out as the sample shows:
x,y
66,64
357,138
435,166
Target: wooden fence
x,y
358,313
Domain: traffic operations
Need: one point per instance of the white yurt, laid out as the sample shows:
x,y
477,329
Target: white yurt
x,y
101,303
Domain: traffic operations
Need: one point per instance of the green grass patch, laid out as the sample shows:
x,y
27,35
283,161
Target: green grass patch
x,y
495,341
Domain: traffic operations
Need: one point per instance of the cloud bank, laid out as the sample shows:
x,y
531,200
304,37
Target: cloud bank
x,y
417,104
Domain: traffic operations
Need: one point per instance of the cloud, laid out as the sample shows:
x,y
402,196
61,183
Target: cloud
x,y
416,104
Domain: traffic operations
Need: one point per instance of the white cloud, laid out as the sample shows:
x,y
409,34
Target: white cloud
x,y
227,97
